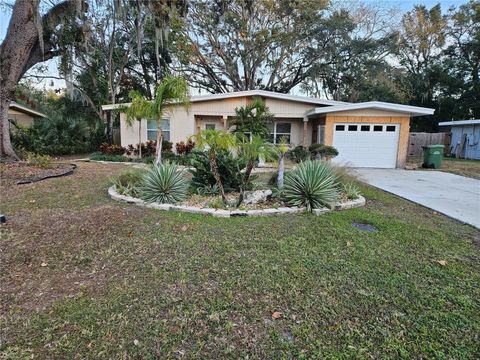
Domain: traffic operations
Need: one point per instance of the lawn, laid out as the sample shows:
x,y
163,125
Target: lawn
x,y
464,167
82,276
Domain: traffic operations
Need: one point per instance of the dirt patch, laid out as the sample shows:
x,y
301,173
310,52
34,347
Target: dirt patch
x,y
22,173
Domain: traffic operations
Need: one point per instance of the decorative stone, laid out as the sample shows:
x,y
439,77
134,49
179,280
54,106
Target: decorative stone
x,y
221,213
255,213
164,207
271,211
255,197
350,204
235,213
321,211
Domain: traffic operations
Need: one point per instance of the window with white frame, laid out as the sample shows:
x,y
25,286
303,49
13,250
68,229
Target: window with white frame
x,y
279,130
152,129
210,126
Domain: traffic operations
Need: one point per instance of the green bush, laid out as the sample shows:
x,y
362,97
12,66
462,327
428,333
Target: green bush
x,y
41,161
323,151
228,166
312,185
98,156
129,182
164,184
351,191
298,154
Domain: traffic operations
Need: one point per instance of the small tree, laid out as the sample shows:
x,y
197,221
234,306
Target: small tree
x,y
139,109
283,148
172,91
253,119
251,150
214,141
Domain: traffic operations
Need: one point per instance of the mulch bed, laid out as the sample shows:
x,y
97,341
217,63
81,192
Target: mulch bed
x,y
22,173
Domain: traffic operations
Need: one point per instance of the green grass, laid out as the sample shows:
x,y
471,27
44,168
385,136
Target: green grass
x,y
127,282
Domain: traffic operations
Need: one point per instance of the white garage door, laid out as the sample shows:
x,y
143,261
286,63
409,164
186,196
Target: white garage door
x,y
366,144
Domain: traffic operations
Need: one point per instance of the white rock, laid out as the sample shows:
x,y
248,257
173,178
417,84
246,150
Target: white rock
x,y
221,213
254,197
321,211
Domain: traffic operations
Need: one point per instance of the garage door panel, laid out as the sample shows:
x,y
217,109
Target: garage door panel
x,y
375,146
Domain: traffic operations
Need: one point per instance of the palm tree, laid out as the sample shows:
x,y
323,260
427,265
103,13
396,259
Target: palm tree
x,y
251,150
253,119
171,92
139,109
215,140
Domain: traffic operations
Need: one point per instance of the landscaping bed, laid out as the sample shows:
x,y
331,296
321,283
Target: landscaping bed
x,y
21,172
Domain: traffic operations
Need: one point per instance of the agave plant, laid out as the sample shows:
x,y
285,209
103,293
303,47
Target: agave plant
x,y
351,191
165,184
312,185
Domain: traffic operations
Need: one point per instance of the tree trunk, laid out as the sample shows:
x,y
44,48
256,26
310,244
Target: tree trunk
x,y
140,138
244,183
281,172
158,151
6,148
216,175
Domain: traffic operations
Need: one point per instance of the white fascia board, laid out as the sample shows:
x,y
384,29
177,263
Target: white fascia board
x,y
377,105
459,123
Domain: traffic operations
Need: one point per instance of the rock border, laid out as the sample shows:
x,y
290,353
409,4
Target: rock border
x,y
112,192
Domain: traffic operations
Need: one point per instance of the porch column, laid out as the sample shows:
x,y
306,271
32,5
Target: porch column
x,y
305,130
225,125
197,125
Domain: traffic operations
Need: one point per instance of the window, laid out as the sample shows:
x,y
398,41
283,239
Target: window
x,y
321,134
391,128
377,128
280,130
365,128
340,127
152,129
210,126
352,127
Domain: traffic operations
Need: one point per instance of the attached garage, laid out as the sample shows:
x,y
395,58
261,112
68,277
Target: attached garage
x,y
354,143
372,134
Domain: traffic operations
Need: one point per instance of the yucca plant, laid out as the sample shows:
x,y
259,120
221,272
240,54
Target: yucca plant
x,y
351,191
312,185
165,184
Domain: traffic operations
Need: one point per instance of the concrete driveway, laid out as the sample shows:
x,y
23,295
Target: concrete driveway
x,y
453,195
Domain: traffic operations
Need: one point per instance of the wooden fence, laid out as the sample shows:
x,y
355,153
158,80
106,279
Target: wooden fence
x,y
419,139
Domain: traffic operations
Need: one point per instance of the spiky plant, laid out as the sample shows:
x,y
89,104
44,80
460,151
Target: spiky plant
x,y
312,185
165,184
351,191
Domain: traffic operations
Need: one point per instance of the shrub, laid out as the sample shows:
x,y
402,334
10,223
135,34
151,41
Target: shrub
x,y
228,167
164,184
112,149
208,190
183,148
351,191
312,184
322,151
41,161
129,182
298,154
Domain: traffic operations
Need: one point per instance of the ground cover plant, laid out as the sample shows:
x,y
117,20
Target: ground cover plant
x,y
94,278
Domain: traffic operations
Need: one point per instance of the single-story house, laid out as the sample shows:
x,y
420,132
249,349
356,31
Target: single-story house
x,y
465,141
23,115
368,134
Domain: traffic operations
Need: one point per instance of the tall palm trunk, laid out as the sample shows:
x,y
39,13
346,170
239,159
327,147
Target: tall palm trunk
x,y
281,171
140,138
158,159
216,175
245,178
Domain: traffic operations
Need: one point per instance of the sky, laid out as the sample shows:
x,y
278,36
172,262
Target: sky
x,y
402,5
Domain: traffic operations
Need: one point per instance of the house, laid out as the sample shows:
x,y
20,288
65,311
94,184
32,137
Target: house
x,y
369,134
465,138
23,115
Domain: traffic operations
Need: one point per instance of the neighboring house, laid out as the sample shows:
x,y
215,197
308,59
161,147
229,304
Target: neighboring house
x,y
23,115
369,134
465,141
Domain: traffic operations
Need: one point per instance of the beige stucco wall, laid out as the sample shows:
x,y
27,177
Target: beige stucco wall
x,y
288,109
21,118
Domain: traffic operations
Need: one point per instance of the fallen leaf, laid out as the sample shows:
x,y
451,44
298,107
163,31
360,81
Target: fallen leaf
x,y
349,243
136,342
277,315
442,262
184,228
130,234
43,264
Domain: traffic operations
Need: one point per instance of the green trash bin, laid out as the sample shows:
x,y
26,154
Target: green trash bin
x,y
432,156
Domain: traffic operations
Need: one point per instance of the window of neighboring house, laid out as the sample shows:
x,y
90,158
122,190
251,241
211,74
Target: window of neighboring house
x,y
210,126
280,130
152,129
